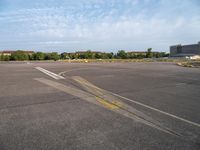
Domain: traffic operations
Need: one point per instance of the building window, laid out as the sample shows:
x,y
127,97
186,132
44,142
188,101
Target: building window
x,y
179,49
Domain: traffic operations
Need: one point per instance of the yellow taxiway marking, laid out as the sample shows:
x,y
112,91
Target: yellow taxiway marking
x,y
113,105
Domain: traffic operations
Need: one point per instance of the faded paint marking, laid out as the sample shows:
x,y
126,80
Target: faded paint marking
x,y
81,80
49,73
114,105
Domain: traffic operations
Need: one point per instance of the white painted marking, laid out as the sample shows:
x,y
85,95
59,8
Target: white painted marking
x,y
180,84
160,111
51,74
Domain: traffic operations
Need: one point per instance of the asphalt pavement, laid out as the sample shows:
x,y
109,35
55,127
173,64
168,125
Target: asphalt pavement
x,y
72,106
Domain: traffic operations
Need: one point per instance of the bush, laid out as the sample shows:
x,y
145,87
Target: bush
x,y
39,56
19,55
4,57
122,54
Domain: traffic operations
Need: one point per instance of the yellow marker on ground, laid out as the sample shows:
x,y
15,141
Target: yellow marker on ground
x,y
113,105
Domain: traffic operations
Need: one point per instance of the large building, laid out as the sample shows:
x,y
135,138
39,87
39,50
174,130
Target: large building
x,y
185,50
8,52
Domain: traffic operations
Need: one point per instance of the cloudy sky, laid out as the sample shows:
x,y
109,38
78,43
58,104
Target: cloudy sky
x,y
105,25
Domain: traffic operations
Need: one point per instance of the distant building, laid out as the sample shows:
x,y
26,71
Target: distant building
x,y
8,52
185,50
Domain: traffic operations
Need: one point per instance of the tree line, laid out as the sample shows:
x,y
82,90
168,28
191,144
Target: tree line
x,y
22,56
121,54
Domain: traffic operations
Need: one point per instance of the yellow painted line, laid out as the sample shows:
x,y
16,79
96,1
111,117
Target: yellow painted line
x,y
113,105
86,84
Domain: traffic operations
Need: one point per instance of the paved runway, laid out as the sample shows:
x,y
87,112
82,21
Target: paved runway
x,y
99,106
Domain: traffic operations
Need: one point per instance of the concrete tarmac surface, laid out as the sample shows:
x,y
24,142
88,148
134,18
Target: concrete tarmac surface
x,y
99,106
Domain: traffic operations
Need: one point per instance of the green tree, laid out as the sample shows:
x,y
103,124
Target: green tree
x,y
1,57
98,56
54,56
149,53
81,56
4,57
74,56
19,55
39,56
110,55
88,55
122,54
64,56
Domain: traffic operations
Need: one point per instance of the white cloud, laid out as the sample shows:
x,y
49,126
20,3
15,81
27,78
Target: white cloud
x,y
100,25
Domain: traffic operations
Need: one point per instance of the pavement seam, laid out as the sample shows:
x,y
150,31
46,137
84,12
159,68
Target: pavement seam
x,y
32,104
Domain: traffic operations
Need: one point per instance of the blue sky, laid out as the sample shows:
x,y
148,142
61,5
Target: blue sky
x,y
104,25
